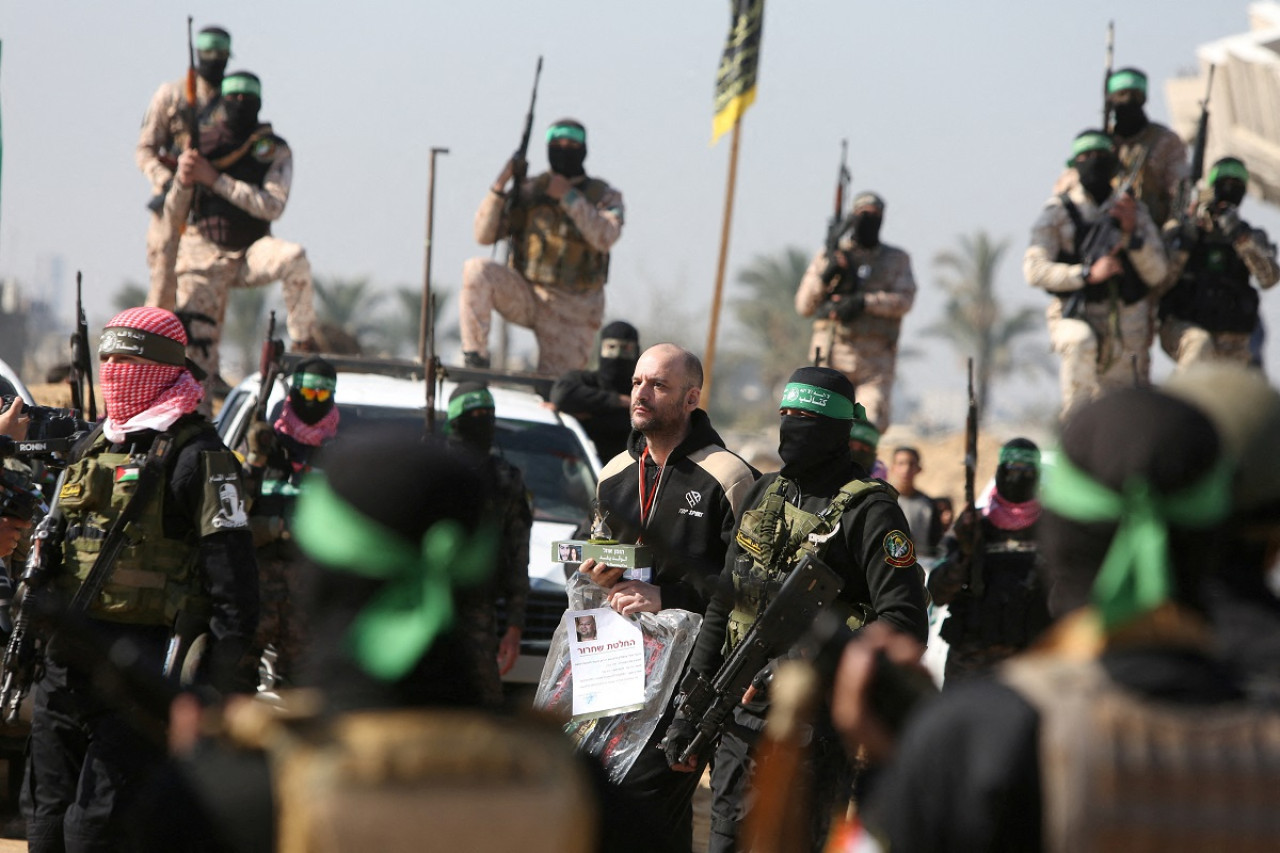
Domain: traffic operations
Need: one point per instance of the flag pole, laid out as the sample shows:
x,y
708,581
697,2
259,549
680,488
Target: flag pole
x,y
709,361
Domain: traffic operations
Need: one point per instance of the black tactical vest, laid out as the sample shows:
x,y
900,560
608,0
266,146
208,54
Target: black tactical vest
x,y
1012,609
218,219
1127,286
1214,291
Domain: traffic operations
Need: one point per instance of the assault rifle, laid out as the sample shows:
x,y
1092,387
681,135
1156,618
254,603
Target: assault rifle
x,y
1186,190
193,110
1106,76
81,375
839,223
24,654
976,580
808,589
519,161
268,368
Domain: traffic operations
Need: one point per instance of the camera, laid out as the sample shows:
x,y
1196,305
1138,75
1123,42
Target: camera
x,y
49,432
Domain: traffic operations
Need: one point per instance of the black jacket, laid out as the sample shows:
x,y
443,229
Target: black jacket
x,y
858,553
694,512
604,417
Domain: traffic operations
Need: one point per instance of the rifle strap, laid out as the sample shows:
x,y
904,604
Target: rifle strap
x,y
226,161
148,479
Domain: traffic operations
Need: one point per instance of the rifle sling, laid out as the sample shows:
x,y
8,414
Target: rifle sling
x,y
226,161
118,536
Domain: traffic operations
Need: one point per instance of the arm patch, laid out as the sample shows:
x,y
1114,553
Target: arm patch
x,y
223,507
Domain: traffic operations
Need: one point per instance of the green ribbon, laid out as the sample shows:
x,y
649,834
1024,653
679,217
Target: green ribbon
x,y
398,625
566,131
213,41
1087,142
315,380
1134,577
1228,167
469,401
811,398
240,84
1016,455
1122,80
862,429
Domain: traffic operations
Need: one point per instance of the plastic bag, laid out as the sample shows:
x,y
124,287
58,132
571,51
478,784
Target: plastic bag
x,y
616,740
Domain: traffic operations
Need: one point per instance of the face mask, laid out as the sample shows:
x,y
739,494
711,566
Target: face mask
x,y
1017,483
1095,176
616,373
309,411
475,430
211,70
866,229
810,444
1130,118
1228,192
566,161
242,114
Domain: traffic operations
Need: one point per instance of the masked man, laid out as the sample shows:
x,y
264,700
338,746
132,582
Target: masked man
x,y
187,567
601,399
561,226
997,601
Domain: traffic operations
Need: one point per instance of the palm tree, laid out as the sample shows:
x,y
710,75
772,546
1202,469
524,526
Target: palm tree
x,y
779,337
401,327
974,322
244,328
130,295
350,305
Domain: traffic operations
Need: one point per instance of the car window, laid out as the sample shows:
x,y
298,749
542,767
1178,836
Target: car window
x,y
550,456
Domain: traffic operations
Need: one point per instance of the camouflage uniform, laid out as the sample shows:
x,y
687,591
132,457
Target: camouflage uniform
x,y
1163,171
510,582
207,270
1218,325
165,133
1095,359
564,316
865,350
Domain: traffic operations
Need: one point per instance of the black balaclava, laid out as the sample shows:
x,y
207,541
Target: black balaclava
x,y
1096,174
1131,434
619,352
242,113
1127,95
472,419
808,445
868,215
567,161
312,411
406,484
1017,475
1228,191
213,49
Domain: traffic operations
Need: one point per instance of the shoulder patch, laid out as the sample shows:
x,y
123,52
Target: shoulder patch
x,y
899,550
265,149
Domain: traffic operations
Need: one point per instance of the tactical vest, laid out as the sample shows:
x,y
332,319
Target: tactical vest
x,y
548,248
1146,186
866,325
1012,609
395,779
774,536
154,577
1214,291
1127,287
1122,773
218,219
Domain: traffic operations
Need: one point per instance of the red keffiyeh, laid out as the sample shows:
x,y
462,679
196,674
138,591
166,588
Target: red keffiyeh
x,y
1006,514
146,395
312,435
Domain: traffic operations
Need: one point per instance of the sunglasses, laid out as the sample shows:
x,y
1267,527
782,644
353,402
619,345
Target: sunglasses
x,y
315,394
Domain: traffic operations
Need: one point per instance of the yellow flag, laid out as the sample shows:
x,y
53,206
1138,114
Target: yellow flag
x,y
736,76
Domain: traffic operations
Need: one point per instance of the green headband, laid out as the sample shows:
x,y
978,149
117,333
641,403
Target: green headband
x,y
1016,455
240,84
1228,168
567,131
864,432
213,41
1134,577
811,398
400,622
314,380
1122,80
469,401
1087,142
122,340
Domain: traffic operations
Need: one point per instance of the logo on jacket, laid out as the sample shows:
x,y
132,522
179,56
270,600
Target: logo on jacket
x,y
231,510
692,498
899,550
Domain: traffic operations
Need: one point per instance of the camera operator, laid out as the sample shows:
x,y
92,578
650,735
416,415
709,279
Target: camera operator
x,y
13,419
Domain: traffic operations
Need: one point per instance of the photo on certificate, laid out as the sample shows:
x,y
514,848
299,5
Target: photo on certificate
x,y
606,651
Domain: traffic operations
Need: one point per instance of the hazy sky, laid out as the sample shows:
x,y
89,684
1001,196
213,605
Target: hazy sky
x,y
959,114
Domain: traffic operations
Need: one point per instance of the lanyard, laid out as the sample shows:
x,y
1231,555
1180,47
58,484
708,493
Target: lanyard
x,y
646,503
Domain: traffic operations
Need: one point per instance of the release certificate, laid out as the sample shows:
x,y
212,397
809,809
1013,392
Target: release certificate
x,y
606,653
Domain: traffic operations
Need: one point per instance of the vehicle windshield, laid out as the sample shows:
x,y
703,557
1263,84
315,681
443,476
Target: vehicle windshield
x,y
549,456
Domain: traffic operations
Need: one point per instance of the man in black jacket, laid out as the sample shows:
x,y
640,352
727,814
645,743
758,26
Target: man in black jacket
x,y
823,503
601,399
677,490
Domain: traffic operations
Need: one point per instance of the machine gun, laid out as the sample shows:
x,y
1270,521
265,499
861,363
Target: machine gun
x,y
268,368
808,589
520,163
976,580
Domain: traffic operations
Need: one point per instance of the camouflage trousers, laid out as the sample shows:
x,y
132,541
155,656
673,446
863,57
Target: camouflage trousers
x,y
564,323
870,364
1187,343
281,622
207,272
1095,359
162,256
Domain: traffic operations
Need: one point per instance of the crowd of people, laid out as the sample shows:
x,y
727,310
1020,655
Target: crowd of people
x,y
296,643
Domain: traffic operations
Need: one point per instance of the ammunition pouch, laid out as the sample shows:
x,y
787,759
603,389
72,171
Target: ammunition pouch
x,y
548,248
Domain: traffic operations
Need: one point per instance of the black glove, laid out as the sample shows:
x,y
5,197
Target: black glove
x,y
679,735
1230,223
846,308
